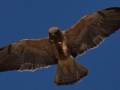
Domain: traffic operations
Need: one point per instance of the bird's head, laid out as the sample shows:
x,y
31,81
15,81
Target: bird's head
x,y
55,35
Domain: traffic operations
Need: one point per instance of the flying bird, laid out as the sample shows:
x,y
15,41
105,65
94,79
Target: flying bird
x,y
62,47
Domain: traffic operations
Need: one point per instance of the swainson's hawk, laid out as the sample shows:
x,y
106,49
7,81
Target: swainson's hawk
x,y
62,47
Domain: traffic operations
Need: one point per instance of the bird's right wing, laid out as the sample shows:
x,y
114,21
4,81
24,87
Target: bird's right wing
x,y
27,55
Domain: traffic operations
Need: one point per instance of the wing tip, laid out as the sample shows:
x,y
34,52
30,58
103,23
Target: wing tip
x,y
113,8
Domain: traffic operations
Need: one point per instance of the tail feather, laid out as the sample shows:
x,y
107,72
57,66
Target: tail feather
x,y
73,77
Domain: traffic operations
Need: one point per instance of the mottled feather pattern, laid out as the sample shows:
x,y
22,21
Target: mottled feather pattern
x,y
79,72
27,55
92,29
62,47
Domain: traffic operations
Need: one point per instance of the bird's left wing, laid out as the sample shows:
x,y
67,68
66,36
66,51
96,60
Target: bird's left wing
x,y
92,29
27,55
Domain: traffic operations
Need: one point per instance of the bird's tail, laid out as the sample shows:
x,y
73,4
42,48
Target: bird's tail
x,y
69,72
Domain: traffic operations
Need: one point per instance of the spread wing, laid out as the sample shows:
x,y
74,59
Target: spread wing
x,y
27,55
92,29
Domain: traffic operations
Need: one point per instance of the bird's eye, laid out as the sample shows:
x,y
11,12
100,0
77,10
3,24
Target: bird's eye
x,y
53,34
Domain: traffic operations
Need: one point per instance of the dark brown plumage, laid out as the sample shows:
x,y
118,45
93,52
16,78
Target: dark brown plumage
x,y
62,47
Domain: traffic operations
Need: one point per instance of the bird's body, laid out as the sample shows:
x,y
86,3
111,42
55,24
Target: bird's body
x,y
62,47
68,67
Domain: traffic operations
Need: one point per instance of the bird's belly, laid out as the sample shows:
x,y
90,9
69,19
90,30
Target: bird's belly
x,y
62,57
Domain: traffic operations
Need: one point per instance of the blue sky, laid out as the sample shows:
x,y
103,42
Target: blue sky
x,y
31,19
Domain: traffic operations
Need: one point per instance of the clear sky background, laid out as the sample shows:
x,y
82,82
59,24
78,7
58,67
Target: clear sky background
x,y
31,19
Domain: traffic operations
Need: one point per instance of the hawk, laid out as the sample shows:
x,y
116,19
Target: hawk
x,y
62,47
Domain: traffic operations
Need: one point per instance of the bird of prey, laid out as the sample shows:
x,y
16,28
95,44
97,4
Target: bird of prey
x,y
62,47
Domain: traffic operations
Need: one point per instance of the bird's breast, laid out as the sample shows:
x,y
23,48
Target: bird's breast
x,y
61,51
